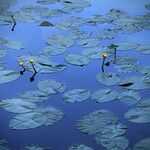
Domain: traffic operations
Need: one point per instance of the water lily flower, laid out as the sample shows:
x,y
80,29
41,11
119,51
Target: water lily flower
x,y
31,61
21,63
104,55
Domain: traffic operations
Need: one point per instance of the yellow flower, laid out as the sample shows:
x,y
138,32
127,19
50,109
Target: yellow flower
x,y
104,55
21,63
31,61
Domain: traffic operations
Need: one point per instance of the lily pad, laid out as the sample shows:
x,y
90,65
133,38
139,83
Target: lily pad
x,y
8,76
2,53
17,105
94,123
11,44
143,144
5,20
137,115
46,24
51,86
34,96
40,116
47,2
144,105
144,49
80,147
76,59
33,147
127,46
105,95
147,6
108,79
129,96
4,145
76,95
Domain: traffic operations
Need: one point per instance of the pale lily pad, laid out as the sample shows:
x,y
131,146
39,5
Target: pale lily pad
x,y
76,95
134,83
94,123
76,59
80,147
144,49
5,20
51,86
108,79
47,2
137,115
106,34
117,143
89,42
127,46
40,116
60,41
2,65
2,53
8,76
129,96
144,105
105,95
17,105
3,145
34,96
70,23
93,53
143,144
33,147
11,44
72,9
115,14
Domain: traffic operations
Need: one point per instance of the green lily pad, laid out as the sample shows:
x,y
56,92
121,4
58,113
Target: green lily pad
x,y
2,53
40,116
94,123
108,79
117,143
34,96
127,46
11,44
136,83
129,96
76,95
105,95
89,42
80,147
144,49
17,105
8,76
51,86
76,59
143,144
137,115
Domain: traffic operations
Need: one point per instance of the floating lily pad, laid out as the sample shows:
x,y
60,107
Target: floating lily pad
x,y
46,24
127,46
89,42
138,115
129,96
40,116
80,147
17,105
5,20
144,105
70,23
93,53
108,79
33,147
11,44
117,143
105,95
144,49
2,53
143,144
51,86
3,145
76,59
134,83
94,123
147,6
8,76
2,65
34,96
47,2
60,41
76,95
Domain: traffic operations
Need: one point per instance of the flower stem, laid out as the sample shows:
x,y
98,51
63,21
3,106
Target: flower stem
x,y
14,21
103,65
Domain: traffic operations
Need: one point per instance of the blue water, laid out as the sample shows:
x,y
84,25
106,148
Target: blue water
x,y
65,133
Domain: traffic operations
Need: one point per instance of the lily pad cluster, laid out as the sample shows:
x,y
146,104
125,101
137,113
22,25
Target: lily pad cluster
x,y
104,125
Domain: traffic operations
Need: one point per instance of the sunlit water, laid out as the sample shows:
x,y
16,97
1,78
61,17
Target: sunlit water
x,y
65,133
